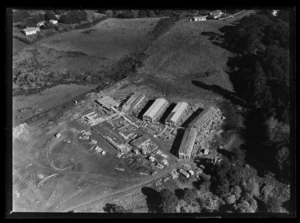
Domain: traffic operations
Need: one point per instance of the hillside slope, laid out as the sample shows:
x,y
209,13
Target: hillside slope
x,y
184,54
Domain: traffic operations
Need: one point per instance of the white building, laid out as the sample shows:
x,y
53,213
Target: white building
x,y
155,110
175,116
39,24
275,12
58,135
53,21
216,14
31,30
198,18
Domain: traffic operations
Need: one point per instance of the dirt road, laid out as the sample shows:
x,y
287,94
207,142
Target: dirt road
x,y
151,179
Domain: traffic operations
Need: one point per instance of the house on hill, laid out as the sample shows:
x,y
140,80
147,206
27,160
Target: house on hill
x,y
30,30
39,24
53,21
216,14
198,18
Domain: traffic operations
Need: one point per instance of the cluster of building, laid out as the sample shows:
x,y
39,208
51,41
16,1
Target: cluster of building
x,y
145,144
159,106
200,131
33,30
216,14
124,134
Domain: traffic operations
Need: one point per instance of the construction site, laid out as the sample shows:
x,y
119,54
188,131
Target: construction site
x,y
123,139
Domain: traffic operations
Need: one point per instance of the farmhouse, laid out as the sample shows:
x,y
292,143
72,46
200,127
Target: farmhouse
x,y
275,12
39,24
198,18
53,21
108,102
216,14
155,110
175,116
31,30
187,144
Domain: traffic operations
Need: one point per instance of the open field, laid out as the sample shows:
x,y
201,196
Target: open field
x,y
184,52
111,39
83,55
17,45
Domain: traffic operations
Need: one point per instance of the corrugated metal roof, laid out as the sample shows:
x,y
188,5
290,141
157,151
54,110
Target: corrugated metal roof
x,y
138,100
179,110
188,141
203,115
155,107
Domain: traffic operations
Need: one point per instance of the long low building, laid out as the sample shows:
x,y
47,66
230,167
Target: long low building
x,y
206,116
187,144
30,30
138,101
155,110
175,116
126,105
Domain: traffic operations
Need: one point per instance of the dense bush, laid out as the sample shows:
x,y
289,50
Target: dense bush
x,y
169,201
20,15
50,15
114,208
225,177
47,25
73,17
261,76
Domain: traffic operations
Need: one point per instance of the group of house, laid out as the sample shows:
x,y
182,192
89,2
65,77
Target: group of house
x,y
214,15
33,30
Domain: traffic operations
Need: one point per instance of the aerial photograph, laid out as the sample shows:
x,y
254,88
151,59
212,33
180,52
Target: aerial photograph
x,y
155,112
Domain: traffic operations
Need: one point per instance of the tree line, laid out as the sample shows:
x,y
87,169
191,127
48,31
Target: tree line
x,y
260,74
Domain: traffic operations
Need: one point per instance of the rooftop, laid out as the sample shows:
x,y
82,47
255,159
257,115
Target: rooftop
x,y
155,107
30,29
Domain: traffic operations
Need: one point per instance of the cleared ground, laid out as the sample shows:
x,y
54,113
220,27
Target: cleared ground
x,y
52,175
46,99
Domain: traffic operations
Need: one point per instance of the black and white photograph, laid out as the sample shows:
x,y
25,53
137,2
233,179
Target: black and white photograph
x,y
153,113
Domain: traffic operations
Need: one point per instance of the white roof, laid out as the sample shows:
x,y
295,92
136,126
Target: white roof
x,y
155,107
30,29
178,110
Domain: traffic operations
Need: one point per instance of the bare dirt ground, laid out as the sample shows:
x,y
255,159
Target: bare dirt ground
x,y
45,100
